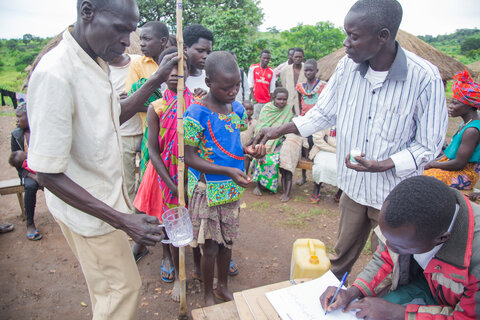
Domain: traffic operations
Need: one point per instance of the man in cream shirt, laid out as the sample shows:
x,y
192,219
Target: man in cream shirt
x,y
75,147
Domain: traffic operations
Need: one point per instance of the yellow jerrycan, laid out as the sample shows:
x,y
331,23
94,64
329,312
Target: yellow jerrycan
x,y
309,259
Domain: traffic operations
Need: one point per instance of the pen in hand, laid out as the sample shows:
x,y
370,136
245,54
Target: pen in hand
x,y
337,291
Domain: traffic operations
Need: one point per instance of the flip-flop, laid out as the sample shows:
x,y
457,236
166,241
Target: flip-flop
x,y
6,227
315,198
167,280
34,236
140,255
233,267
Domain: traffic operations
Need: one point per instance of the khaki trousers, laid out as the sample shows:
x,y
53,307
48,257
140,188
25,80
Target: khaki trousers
x,y
129,146
356,222
110,272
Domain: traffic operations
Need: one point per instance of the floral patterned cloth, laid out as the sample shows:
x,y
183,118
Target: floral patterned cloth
x,y
265,171
153,196
464,179
217,137
219,223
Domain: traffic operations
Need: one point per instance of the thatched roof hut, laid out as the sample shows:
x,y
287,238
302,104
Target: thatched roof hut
x,y
134,48
447,66
475,68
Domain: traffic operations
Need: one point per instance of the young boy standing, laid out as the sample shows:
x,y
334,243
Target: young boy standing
x,y
308,93
198,42
216,177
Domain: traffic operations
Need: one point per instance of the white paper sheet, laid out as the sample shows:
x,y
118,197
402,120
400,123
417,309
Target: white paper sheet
x,y
302,301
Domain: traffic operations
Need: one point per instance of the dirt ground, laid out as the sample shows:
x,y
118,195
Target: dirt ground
x,y
43,280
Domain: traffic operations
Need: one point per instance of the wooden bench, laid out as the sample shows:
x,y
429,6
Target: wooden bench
x,y
14,186
305,164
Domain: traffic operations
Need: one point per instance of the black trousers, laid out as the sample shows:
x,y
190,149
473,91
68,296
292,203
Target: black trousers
x,y
30,199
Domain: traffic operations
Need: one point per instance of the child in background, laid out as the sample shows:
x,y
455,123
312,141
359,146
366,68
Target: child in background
x,y
308,93
266,170
19,142
18,160
247,135
216,177
138,250
158,190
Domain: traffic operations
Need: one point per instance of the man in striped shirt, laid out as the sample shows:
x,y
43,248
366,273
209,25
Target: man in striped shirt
x,y
387,102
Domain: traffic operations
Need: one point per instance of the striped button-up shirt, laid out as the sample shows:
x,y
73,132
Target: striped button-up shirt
x,y
404,118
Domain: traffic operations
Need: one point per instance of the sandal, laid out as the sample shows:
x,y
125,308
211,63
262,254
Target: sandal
x,y
315,198
169,272
140,255
337,196
34,236
232,269
6,227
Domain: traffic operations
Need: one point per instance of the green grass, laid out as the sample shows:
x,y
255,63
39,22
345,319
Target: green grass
x,y
448,90
260,205
7,114
11,79
299,199
299,219
366,248
319,211
330,249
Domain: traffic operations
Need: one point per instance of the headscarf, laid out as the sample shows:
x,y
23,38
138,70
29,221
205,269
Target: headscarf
x,y
466,90
22,107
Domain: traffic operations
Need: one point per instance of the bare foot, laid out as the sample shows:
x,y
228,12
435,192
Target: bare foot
x,y
209,299
197,275
257,191
301,181
223,294
284,198
176,291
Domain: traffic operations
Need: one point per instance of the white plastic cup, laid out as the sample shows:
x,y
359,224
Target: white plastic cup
x,y
355,152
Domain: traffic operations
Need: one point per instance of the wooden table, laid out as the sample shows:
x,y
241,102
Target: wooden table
x,y
222,311
251,304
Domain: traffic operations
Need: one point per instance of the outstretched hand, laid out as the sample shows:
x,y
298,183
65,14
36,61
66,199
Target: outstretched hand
x,y
264,135
258,151
143,229
364,165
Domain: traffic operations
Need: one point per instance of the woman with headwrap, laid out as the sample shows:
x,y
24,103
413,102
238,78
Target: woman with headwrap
x,y
459,168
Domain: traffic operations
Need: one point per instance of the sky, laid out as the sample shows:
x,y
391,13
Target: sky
x,y
47,18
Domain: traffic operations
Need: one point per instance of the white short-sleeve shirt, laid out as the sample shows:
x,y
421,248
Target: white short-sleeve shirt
x,y
74,113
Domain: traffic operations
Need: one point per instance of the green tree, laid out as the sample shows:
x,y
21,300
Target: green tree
x,y
316,41
470,43
11,44
232,29
194,11
27,38
273,29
